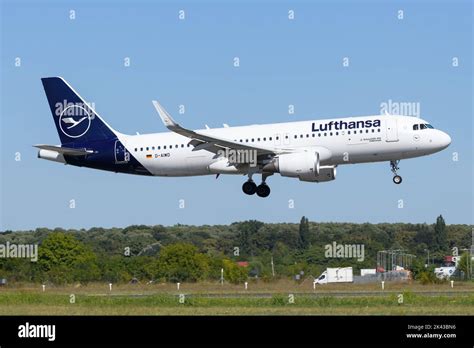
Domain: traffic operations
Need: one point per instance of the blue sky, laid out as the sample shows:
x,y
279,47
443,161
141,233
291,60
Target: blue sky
x,y
190,62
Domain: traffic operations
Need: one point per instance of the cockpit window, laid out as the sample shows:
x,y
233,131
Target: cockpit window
x,y
422,126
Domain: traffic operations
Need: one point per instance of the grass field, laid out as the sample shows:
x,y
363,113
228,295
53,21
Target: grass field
x,y
261,298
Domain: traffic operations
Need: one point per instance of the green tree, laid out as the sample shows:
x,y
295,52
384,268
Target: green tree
x,y
233,273
182,262
425,275
64,259
440,234
464,265
426,236
246,238
304,235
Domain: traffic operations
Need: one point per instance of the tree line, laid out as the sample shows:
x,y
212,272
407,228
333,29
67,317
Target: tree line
x,y
245,249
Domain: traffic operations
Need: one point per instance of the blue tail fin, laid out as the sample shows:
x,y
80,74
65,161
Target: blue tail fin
x,y
76,121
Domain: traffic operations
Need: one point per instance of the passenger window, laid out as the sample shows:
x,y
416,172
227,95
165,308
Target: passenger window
x,y
182,145
307,135
164,147
141,149
147,148
415,127
270,138
159,147
319,134
296,136
136,149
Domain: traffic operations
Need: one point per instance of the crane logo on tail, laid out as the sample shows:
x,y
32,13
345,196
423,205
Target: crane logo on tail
x,y
74,121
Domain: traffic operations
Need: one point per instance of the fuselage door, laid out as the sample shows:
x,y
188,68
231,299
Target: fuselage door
x,y
121,153
391,129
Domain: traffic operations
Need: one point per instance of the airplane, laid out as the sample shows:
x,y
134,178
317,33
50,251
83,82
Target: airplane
x,y
307,150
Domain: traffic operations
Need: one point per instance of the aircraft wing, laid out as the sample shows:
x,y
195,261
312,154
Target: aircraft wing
x,y
211,143
65,150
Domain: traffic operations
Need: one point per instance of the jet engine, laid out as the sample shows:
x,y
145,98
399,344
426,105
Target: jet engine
x,y
302,165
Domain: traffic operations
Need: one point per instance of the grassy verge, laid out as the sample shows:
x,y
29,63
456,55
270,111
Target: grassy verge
x,y
28,303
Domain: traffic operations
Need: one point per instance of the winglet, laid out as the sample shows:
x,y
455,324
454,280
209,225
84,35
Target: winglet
x,y
165,117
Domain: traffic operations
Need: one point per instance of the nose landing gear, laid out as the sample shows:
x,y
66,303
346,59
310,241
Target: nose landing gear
x,y
397,179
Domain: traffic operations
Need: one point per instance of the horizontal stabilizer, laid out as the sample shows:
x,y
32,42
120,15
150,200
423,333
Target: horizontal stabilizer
x,y
65,150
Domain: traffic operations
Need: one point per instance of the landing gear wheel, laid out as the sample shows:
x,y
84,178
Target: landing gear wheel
x,y
249,187
263,190
397,179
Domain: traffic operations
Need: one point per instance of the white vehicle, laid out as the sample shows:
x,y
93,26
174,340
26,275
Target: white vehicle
x,y
444,272
368,271
335,275
307,150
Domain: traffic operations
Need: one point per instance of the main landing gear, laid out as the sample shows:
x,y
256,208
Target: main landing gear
x,y
397,179
250,188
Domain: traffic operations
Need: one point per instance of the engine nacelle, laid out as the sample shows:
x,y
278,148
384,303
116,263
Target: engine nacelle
x,y
302,165
326,173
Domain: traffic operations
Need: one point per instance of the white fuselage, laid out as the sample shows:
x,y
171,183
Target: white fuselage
x,y
392,138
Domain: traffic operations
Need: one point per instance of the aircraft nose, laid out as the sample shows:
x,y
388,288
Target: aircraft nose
x,y
444,140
